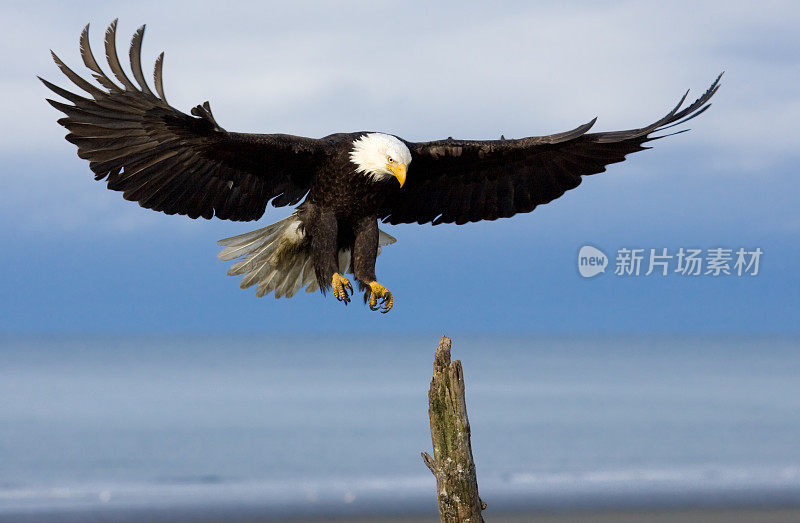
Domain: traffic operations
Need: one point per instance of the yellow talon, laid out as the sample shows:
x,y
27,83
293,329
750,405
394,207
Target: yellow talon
x,y
379,291
340,286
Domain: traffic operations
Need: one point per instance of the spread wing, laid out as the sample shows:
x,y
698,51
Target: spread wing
x,y
460,181
170,161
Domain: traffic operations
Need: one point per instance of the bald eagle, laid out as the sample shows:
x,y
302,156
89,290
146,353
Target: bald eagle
x,y
175,163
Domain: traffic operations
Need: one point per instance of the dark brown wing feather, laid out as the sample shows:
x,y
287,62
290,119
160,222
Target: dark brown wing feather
x,y
170,161
460,181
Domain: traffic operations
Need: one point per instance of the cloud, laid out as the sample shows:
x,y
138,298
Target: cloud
x,y
429,70
422,70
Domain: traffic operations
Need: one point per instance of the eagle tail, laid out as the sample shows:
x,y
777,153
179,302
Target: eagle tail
x,y
274,258
277,258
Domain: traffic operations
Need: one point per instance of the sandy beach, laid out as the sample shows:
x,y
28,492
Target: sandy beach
x,y
688,515
765,515
781,515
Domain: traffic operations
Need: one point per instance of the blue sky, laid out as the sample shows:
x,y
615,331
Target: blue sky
x,y
80,259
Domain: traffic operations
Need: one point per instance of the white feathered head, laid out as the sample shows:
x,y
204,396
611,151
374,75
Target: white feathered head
x,y
380,156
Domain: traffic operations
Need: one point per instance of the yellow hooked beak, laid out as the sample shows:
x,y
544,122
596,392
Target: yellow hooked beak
x,y
399,170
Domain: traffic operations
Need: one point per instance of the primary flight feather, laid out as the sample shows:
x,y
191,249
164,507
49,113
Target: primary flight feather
x,y
172,162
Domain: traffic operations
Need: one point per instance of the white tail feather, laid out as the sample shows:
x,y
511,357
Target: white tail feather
x,y
277,260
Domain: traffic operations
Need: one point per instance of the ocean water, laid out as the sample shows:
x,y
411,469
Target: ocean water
x,y
336,425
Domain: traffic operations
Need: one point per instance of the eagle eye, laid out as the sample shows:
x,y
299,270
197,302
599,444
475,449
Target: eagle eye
x,y
389,159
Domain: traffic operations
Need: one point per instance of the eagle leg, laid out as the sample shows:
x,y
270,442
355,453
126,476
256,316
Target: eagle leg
x,y
378,291
340,286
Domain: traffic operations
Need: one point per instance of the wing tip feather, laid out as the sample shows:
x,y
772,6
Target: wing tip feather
x,y
158,74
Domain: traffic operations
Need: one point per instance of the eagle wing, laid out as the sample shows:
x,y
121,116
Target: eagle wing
x,y
170,161
460,181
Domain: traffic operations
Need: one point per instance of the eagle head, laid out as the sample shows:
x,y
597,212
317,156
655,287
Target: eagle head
x,y
381,156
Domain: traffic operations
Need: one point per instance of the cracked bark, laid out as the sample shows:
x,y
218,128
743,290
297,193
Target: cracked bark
x,y
451,464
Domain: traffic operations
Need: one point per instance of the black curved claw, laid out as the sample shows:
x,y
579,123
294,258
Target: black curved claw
x,y
387,303
379,292
340,288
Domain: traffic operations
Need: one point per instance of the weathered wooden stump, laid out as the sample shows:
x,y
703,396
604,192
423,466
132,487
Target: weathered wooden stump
x,y
451,464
